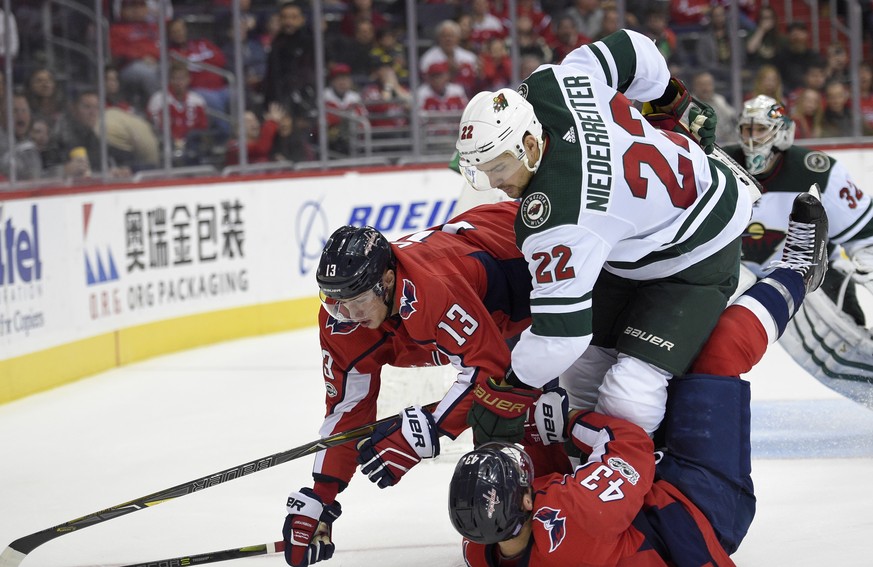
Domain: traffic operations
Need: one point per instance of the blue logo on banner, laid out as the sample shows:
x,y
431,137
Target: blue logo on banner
x,y
19,251
104,272
312,233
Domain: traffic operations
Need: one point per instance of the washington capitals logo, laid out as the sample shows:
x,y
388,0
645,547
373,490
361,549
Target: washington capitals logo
x,y
500,102
408,300
554,524
491,502
340,327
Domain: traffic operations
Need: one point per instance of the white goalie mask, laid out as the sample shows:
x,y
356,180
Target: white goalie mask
x,y
495,123
764,125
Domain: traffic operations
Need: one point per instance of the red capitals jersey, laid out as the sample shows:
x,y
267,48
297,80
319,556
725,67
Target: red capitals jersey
x,y
462,289
610,511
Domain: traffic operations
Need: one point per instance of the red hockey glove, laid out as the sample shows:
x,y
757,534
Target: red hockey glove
x,y
308,527
499,412
548,424
398,445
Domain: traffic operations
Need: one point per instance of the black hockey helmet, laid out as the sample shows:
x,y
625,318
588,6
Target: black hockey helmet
x,y
487,491
353,261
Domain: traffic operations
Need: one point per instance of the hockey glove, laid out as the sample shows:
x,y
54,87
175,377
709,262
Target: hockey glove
x,y
549,421
673,103
862,261
308,527
499,412
702,122
398,445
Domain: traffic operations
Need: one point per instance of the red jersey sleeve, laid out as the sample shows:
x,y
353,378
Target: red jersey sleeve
x,y
352,378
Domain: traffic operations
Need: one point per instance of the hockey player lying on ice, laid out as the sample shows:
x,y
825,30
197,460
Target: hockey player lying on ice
x,y
691,503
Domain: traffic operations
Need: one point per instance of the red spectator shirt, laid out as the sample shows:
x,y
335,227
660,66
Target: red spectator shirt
x,y
129,41
185,116
203,51
454,98
257,151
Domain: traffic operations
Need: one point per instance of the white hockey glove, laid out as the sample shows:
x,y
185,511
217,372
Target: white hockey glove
x,y
308,527
398,445
550,418
862,260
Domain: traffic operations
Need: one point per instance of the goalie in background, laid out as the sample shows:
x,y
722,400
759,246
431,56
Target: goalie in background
x,y
829,338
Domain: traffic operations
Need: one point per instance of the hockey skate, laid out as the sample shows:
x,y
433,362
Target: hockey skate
x,y
805,249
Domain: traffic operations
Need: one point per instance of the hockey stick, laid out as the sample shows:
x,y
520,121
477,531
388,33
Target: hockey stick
x,y
13,555
216,556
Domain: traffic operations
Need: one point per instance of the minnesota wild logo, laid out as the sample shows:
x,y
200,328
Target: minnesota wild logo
x,y
500,102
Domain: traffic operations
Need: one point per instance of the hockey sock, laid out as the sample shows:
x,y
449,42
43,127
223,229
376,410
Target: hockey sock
x,y
774,300
745,329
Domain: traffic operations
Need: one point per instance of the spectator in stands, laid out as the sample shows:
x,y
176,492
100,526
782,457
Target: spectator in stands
x,y
187,111
77,130
540,20
567,38
713,49
24,153
768,81
345,109
485,26
609,23
588,17
211,86
689,15
703,87
362,10
795,55
46,100
291,144
439,93
388,50
387,101
837,120
131,138
655,27
837,61
765,41
133,43
807,114
259,136
255,45
114,97
13,37
355,52
814,77
529,42
496,65
865,84
290,75
462,63
528,64
41,134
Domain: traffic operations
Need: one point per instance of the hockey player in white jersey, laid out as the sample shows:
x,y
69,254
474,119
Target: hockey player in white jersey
x,y
606,197
829,337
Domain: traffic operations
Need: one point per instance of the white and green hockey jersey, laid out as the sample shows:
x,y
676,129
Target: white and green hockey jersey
x,y
850,210
612,192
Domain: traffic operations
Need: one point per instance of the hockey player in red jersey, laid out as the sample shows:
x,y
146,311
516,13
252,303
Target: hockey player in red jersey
x,y
452,294
690,506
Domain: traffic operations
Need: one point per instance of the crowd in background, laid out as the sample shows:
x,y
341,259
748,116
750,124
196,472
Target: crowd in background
x,y
463,48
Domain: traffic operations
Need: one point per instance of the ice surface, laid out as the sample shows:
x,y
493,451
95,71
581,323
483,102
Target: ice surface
x,y
132,431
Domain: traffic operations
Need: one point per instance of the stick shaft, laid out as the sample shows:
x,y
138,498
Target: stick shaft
x,y
216,556
13,555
